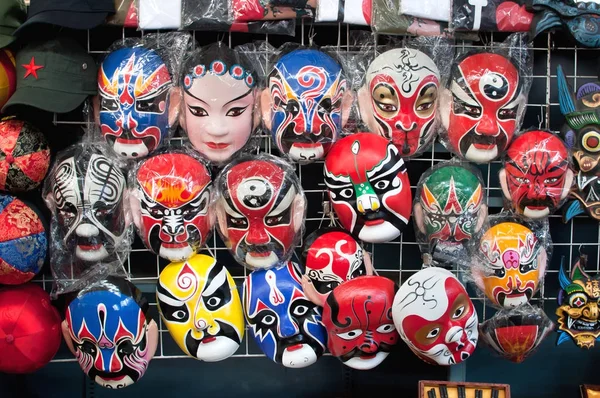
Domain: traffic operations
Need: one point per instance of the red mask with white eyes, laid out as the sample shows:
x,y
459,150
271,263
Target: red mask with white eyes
x,y
484,108
358,318
259,206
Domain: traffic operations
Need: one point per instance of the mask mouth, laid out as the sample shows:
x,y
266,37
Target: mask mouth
x,y
514,298
91,249
582,325
176,251
129,146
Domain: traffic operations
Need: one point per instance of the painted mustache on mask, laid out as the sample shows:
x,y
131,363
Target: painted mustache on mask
x,y
357,352
472,138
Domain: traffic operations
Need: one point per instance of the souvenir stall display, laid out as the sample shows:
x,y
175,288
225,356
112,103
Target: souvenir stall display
x,y
368,187
577,310
109,331
491,16
23,241
448,211
260,209
285,324
219,99
306,103
582,136
330,257
536,177
170,201
358,317
510,260
435,317
199,302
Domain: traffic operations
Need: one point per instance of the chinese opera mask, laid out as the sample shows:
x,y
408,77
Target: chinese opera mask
x,y
449,208
515,334
536,176
171,204
108,329
435,317
85,192
306,103
285,324
582,136
358,318
482,106
399,99
510,265
135,109
368,186
578,314
260,210
200,304
218,101
331,256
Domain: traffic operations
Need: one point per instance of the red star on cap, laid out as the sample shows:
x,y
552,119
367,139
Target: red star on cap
x,y
31,68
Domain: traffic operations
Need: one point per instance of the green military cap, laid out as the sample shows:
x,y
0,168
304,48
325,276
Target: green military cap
x,y
12,15
55,75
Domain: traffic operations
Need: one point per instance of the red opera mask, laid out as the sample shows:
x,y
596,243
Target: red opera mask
x,y
368,187
536,175
171,205
260,210
435,317
399,100
483,107
358,318
331,256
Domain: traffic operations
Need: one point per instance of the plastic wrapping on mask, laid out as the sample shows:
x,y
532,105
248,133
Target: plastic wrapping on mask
x,y
483,104
581,133
330,256
355,12
437,10
108,322
214,15
536,177
577,310
358,318
306,102
159,14
170,199
261,208
255,10
578,19
138,103
90,231
509,260
426,305
368,187
491,15
219,112
449,209
126,14
515,334
400,90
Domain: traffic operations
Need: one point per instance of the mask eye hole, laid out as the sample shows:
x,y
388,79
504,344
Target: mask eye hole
x,y
347,193
458,312
179,314
382,184
578,300
300,310
591,141
268,320
387,328
350,335
433,333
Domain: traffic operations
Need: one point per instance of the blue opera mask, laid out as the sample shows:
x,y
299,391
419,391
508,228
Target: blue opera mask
x,y
284,323
134,86
109,332
306,104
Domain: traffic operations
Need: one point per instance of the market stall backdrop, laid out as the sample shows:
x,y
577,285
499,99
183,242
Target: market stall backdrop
x,y
551,372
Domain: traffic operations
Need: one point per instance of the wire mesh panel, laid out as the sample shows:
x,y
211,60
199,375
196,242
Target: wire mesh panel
x,y
397,259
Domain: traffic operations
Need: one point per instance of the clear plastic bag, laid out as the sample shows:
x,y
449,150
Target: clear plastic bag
x,y
355,12
449,210
388,19
515,334
255,10
509,261
484,101
90,231
491,15
219,100
126,14
437,10
138,103
170,198
536,177
159,14
260,208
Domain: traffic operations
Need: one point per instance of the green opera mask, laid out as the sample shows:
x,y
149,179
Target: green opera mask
x,y
578,312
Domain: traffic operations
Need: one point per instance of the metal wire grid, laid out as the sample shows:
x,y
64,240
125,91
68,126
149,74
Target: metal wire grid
x,y
401,258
